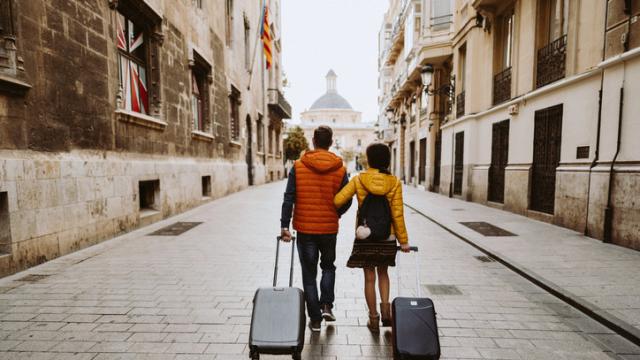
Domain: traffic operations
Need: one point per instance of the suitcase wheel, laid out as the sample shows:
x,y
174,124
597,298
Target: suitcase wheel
x,y
297,356
254,355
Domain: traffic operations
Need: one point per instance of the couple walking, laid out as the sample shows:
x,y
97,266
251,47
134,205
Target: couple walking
x,y
318,192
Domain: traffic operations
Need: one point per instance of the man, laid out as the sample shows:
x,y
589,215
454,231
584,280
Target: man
x,y
313,182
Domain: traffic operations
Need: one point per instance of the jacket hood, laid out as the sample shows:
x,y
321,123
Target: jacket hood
x,y
321,161
376,182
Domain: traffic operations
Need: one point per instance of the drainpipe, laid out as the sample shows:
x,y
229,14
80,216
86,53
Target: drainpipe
x,y
597,153
608,211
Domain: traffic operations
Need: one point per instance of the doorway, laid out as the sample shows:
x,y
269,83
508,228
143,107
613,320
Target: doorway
x,y
422,163
436,161
458,169
249,155
547,140
499,160
412,161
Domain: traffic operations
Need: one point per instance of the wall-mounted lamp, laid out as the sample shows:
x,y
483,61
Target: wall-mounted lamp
x,y
426,73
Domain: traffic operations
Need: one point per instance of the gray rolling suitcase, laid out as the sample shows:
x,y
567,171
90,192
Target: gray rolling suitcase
x,y
278,319
415,329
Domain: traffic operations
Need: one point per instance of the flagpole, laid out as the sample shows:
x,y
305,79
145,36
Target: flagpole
x,y
255,48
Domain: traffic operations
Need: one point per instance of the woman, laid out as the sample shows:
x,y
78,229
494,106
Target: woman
x,y
376,256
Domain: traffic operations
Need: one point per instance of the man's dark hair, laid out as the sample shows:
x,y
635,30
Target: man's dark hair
x,y
379,156
323,137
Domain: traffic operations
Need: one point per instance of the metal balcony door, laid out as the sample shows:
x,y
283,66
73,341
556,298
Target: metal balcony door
x,y
499,160
547,139
459,164
423,161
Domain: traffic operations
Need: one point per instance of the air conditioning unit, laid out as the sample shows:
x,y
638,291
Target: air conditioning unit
x,y
514,109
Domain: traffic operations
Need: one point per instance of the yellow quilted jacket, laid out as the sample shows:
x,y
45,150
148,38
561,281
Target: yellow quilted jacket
x,y
377,183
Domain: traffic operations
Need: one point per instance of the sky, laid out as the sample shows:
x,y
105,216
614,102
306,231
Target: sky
x,y
318,35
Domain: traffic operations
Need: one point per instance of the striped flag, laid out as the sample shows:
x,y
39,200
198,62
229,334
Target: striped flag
x,y
266,36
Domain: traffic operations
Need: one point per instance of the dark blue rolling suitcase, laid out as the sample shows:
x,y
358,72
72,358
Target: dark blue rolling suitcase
x,y
415,330
278,319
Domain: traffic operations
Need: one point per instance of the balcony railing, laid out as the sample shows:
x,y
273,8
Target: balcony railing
x,y
552,62
278,104
441,22
502,86
460,104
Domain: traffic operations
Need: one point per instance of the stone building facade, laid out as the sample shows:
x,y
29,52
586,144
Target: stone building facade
x,y
542,118
350,133
119,113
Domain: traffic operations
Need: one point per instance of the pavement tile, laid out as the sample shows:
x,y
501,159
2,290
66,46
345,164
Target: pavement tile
x,y
186,298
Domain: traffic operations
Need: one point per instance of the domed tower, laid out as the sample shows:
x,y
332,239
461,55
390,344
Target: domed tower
x,y
350,134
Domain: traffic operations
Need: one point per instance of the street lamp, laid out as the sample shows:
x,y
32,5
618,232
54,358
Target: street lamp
x,y
426,73
390,113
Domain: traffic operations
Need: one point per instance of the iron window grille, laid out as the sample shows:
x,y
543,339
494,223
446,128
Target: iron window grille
x,y
502,86
552,62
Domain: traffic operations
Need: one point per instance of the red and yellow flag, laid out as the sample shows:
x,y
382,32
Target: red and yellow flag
x,y
266,36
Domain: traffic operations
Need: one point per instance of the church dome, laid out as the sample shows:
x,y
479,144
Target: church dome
x,y
331,99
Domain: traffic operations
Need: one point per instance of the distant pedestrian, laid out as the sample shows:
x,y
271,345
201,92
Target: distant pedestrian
x,y
313,182
380,225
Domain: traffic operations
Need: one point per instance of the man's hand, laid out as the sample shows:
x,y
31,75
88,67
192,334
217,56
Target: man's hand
x,y
405,248
285,234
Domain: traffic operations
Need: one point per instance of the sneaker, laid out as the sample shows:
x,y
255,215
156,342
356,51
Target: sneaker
x,y
327,314
315,325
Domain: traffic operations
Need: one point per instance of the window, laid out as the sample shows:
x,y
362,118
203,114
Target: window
x,y
234,116
198,4
11,65
132,60
505,39
278,141
200,80
551,41
440,14
138,38
247,44
260,127
149,193
229,21
206,186
503,57
359,142
5,225
270,139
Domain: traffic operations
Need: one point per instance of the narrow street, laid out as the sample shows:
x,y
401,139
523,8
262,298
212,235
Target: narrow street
x,y
188,296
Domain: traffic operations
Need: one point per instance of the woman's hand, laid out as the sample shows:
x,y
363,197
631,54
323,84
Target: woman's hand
x,y
405,248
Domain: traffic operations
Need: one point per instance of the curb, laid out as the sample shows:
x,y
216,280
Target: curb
x,y
612,322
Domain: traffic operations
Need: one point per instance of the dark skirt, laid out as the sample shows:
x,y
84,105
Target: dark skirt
x,y
366,254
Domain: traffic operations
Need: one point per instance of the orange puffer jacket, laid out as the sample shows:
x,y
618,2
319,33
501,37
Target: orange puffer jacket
x,y
319,175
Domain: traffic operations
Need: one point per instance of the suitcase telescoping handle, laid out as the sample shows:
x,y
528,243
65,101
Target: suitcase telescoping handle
x,y
418,290
275,271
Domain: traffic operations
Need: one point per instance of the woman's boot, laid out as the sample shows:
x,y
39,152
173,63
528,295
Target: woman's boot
x,y
374,323
385,311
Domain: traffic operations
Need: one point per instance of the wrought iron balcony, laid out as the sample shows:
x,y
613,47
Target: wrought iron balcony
x,y
460,104
278,104
552,62
502,86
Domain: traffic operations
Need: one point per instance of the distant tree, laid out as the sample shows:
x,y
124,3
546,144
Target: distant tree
x,y
348,155
362,160
295,143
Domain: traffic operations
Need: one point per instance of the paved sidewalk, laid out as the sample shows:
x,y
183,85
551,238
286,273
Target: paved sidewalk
x,y
603,277
188,297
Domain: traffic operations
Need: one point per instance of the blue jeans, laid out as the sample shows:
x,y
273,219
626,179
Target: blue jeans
x,y
310,249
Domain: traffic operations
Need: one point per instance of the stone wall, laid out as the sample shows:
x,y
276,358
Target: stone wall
x,y
71,160
65,202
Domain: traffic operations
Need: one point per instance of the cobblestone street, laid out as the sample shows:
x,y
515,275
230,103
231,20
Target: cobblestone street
x,y
189,296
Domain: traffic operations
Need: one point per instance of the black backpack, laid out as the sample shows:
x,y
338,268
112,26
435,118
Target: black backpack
x,y
375,213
